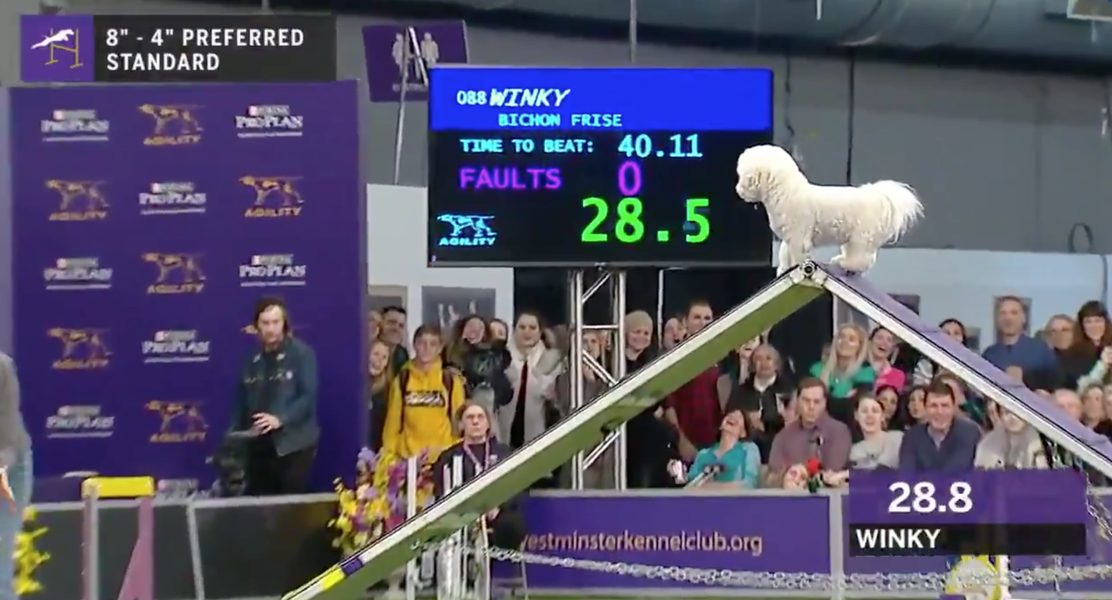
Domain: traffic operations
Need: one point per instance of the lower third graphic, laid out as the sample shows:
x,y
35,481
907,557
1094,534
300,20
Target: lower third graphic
x,y
468,230
180,421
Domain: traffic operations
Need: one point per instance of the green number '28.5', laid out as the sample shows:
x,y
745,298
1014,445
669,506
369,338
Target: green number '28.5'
x,y
629,228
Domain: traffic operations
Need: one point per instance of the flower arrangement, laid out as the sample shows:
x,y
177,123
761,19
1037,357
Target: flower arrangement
x,y
27,558
814,474
376,503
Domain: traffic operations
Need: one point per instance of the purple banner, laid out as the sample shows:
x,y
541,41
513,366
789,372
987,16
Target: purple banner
x,y
57,48
705,532
995,496
148,221
384,47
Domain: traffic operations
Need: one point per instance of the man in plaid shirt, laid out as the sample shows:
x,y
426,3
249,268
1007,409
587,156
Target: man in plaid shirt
x,y
693,410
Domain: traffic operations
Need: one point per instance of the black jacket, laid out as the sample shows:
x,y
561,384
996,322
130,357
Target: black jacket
x,y
498,452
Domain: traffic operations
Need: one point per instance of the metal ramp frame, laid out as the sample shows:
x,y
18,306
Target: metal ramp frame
x,y
588,425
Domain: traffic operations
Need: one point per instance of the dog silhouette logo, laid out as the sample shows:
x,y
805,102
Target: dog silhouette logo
x,y
174,124
274,196
177,273
468,230
179,421
78,200
81,349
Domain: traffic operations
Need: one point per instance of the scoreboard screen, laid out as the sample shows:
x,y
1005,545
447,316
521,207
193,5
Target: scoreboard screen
x,y
573,167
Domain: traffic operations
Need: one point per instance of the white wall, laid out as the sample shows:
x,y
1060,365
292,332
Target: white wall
x,y
963,284
397,255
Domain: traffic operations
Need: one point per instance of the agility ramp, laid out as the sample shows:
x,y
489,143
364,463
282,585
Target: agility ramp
x,y
587,426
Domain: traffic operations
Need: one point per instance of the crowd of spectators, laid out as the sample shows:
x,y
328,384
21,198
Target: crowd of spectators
x,y
755,419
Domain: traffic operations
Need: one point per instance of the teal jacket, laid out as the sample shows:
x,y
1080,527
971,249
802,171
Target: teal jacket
x,y
740,464
295,403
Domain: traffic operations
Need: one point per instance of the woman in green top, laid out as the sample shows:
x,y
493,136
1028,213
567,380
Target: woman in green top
x,y
844,369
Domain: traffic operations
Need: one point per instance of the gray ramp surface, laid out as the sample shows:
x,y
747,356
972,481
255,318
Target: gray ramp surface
x,y
1017,391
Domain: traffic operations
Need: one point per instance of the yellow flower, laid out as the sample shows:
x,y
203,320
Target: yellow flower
x,y
27,558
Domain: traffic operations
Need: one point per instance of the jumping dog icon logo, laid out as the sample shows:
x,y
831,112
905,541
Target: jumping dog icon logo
x,y
177,273
82,349
174,124
274,196
79,200
179,421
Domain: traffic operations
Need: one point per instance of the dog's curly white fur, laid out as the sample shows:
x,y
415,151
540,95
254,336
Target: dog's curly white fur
x,y
803,215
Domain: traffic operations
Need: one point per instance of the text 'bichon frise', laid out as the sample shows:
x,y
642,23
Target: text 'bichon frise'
x,y
803,215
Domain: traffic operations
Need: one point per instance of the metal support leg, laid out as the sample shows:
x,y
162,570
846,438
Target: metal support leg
x,y
411,52
90,545
579,360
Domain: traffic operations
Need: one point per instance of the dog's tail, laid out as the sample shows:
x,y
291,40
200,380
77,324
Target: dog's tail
x,y
904,207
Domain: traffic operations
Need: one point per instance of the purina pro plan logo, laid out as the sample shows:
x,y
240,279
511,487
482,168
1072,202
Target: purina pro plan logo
x,y
176,346
272,270
81,125
273,120
173,198
69,274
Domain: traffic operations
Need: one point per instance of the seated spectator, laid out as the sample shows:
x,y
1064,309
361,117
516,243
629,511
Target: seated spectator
x,y
731,463
423,399
498,331
843,369
532,374
894,411
812,434
1069,401
1014,348
925,369
878,447
1099,373
1091,336
764,398
1058,333
736,368
1093,414
795,478
970,405
478,452
882,345
693,409
916,406
380,375
674,332
393,333
944,442
1011,445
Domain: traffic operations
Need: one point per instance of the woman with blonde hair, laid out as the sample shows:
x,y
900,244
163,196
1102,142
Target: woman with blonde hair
x,y
381,373
844,369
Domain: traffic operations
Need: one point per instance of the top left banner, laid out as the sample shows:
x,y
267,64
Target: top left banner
x,y
177,48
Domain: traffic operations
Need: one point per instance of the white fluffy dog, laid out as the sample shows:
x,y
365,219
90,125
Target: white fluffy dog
x,y
804,215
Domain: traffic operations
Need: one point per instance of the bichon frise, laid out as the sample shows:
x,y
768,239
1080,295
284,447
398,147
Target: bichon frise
x,y
803,215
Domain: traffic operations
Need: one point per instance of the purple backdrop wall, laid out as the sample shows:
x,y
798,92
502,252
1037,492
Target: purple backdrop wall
x,y
148,220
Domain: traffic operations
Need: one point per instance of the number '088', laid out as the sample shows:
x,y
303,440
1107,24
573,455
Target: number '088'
x,y
920,498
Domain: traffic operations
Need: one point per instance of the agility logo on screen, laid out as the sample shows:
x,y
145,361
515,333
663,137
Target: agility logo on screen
x,y
78,200
467,230
80,421
176,346
80,125
81,349
275,197
275,120
176,273
69,274
178,421
273,270
173,124
173,198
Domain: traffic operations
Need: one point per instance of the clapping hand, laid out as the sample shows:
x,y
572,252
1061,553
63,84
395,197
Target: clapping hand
x,y
265,422
6,489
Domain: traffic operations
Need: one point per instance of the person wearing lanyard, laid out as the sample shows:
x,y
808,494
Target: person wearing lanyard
x,y
479,451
